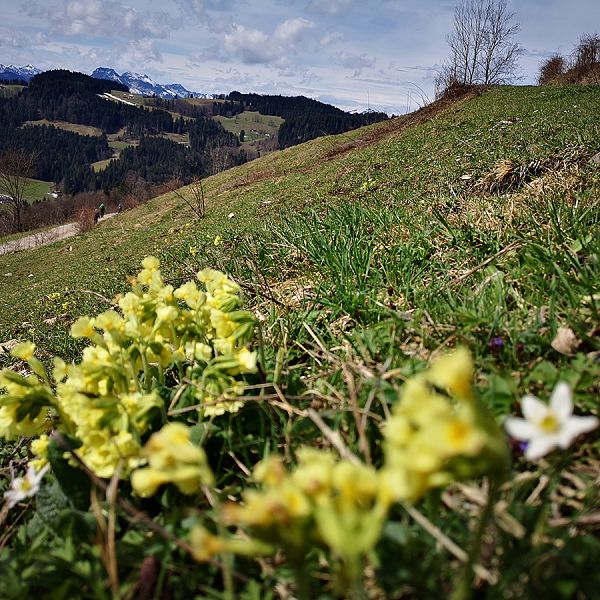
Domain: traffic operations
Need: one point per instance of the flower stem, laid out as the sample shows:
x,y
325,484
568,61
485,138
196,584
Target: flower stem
x,y
463,589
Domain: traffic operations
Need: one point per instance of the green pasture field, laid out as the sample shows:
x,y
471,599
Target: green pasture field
x,y
36,189
9,90
255,125
73,127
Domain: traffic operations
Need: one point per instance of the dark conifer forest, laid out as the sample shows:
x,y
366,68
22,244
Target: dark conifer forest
x,y
65,157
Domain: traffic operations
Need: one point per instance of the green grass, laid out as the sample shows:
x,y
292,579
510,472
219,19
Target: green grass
x,y
255,125
8,90
36,189
363,256
415,172
101,164
73,127
120,145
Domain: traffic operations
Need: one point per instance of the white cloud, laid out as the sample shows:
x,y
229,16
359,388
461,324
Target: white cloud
x,y
201,8
331,38
254,46
292,31
351,60
329,7
101,19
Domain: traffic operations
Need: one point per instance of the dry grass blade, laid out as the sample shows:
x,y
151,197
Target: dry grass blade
x,y
446,542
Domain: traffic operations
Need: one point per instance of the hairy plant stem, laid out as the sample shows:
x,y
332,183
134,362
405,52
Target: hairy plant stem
x,y
463,590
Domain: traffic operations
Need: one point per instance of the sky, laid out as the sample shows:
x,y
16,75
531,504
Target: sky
x,y
356,54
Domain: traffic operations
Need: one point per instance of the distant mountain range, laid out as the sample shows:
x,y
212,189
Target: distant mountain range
x,y
138,83
12,73
145,86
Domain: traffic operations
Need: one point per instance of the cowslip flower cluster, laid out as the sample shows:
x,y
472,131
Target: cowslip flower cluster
x,y
326,501
438,432
546,427
182,340
23,408
172,458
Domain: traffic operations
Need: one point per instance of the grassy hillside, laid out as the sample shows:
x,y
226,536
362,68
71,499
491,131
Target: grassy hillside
x,y
9,90
74,127
419,172
37,190
255,125
365,256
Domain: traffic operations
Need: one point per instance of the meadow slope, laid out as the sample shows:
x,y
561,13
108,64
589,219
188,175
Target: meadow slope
x,y
365,256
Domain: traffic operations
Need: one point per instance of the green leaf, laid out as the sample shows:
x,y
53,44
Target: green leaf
x,y
51,501
74,482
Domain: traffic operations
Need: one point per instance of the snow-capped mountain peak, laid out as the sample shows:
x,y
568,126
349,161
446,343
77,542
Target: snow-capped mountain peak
x,y
142,84
12,72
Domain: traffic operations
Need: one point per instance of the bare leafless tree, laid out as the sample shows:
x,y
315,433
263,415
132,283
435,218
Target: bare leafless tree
x,y
482,46
587,52
15,167
194,197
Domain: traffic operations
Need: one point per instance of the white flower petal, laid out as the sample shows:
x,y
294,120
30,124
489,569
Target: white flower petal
x,y
540,446
561,401
574,427
533,408
520,429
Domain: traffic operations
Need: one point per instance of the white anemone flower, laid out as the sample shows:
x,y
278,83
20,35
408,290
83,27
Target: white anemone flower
x,y
546,427
25,487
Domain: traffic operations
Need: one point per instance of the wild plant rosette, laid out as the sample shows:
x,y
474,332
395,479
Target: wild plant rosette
x,y
163,349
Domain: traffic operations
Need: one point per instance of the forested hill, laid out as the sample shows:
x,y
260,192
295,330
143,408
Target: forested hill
x,y
76,98
305,118
163,139
66,157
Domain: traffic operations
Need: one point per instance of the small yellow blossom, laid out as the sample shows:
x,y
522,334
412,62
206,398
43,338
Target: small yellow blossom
x,y
24,351
83,328
172,458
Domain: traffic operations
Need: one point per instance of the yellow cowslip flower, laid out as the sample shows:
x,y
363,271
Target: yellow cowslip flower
x,y
24,351
193,250
191,295
172,458
270,471
151,263
111,322
146,481
39,448
454,372
222,323
83,328
216,409
198,351
217,282
60,369
218,241
275,506
204,544
459,435
314,472
103,450
431,439
130,304
166,314
356,484
224,346
246,360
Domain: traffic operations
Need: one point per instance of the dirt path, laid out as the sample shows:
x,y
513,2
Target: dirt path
x,y
43,238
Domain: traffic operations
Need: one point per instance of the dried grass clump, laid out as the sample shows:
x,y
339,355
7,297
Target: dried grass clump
x,y
508,175
85,219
